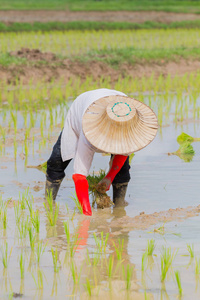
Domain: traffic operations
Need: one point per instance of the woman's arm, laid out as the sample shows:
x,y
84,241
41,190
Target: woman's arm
x,y
117,164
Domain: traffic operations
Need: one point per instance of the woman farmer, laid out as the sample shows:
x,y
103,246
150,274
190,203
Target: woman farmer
x,y
105,121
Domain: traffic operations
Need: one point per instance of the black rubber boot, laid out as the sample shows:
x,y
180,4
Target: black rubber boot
x,y
52,186
119,193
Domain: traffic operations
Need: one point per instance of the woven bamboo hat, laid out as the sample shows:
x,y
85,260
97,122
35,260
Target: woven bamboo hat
x,y
119,124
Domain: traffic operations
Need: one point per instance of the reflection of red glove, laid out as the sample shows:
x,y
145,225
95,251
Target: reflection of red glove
x,y
81,186
117,164
83,234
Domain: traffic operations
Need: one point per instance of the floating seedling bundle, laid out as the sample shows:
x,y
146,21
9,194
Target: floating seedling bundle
x,y
184,138
186,150
41,167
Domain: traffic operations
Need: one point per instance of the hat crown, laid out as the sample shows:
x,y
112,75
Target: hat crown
x,y
119,111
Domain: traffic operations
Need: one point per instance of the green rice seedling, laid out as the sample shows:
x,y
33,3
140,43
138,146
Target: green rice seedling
x,y
15,148
184,137
26,152
178,281
110,266
14,119
56,264
144,260
17,212
71,244
39,251
76,277
73,248
128,274
197,266
145,295
32,238
74,272
54,290
30,206
67,208
119,249
23,228
23,198
4,217
150,246
22,265
77,203
88,287
102,241
131,158
96,258
5,256
35,220
39,280
191,250
52,209
73,215
166,261
49,198
67,232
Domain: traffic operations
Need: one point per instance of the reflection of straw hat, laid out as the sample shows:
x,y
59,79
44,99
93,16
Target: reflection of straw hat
x,y
119,124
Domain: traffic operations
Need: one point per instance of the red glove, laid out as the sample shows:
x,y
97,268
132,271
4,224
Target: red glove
x,y
117,164
81,186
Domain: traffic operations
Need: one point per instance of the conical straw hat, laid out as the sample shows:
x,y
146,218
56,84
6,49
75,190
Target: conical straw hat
x,y
119,124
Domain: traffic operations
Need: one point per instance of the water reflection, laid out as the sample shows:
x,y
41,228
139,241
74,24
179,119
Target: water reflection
x,y
101,269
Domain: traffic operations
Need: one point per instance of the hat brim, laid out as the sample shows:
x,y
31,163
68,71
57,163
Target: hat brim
x,y
114,138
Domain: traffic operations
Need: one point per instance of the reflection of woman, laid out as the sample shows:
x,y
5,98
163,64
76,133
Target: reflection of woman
x,y
105,121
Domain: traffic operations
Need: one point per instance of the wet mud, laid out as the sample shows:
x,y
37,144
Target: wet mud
x,y
106,16
56,69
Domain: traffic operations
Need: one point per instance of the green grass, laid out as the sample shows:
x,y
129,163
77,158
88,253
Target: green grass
x,y
6,60
112,57
111,5
92,25
115,57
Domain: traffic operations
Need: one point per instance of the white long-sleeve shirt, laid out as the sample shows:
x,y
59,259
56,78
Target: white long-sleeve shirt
x,y
73,141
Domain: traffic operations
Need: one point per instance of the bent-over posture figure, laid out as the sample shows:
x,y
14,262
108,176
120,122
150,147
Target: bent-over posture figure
x,y
105,121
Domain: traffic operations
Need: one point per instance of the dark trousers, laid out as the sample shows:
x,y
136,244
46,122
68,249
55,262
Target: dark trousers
x,y
56,166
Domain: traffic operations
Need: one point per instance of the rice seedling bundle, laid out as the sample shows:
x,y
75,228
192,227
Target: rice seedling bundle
x,y
184,137
101,198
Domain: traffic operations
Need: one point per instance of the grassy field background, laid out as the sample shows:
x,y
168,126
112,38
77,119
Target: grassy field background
x,y
104,5
115,45
92,25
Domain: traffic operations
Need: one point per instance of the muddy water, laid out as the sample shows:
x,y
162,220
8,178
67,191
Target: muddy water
x,y
159,184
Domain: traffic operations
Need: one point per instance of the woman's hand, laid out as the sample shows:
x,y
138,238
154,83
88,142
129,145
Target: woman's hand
x,y
103,185
116,165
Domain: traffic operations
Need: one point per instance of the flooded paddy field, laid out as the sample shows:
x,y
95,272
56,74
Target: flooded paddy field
x,y
149,249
